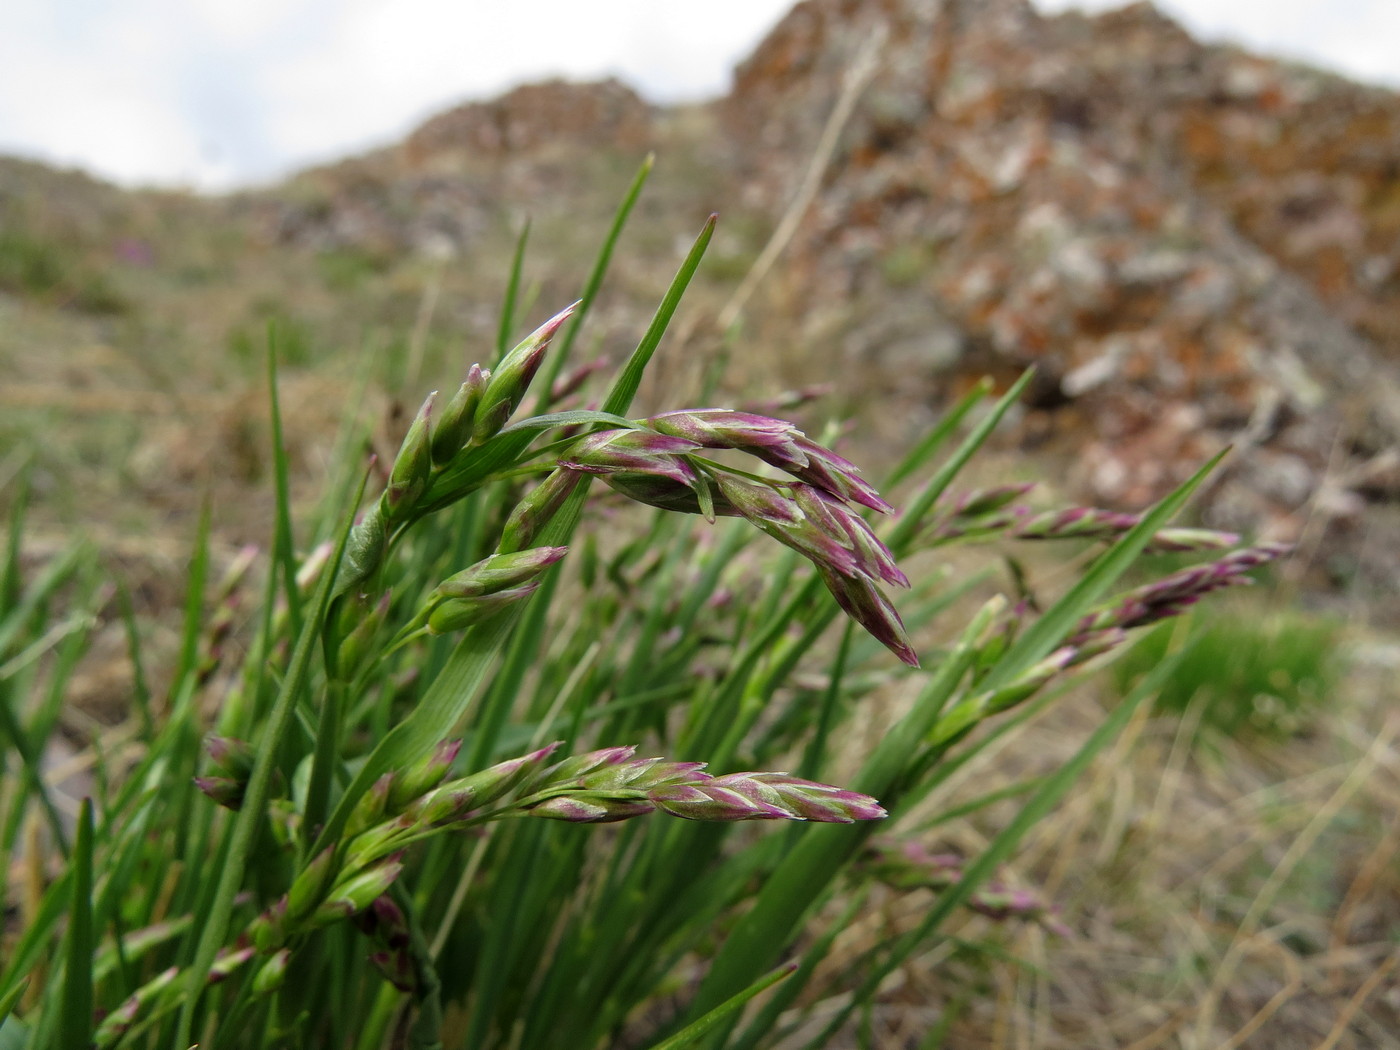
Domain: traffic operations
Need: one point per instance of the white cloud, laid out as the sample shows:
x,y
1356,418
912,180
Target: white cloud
x,y
214,92
382,68
1355,37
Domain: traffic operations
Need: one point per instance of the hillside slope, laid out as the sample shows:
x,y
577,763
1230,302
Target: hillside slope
x,y
1194,245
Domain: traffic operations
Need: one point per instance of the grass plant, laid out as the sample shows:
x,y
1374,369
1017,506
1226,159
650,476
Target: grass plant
x,y
354,816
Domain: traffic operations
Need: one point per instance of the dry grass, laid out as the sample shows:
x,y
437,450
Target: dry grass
x,y
1236,895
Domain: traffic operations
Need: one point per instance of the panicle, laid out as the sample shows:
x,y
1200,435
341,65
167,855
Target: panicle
x,y
371,807
813,515
573,768
119,1021
642,774
385,924
310,885
978,502
455,614
911,866
226,791
612,785
1093,523
1174,594
273,973
835,518
1166,541
231,757
765,796
665,494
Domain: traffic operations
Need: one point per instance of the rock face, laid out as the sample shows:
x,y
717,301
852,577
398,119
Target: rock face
x,y
436,191
1194,245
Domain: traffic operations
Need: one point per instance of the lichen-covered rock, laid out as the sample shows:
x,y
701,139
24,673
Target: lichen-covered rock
x,y
1195,246
556,113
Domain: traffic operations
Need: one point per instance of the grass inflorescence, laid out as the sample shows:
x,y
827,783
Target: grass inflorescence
x,y
354,817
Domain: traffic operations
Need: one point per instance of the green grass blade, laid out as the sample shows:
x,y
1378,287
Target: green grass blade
x,y
140,687
912,519
512,295
34,941
31,758
325,757
556,360
1051,791
620,397
692,1033
523,653
194,598
808,869
1048,631
9,1001
216,921
21,615
284,552
11,583
938,434
75,1022
785,996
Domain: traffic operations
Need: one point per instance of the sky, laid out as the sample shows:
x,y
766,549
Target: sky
x,y
213,94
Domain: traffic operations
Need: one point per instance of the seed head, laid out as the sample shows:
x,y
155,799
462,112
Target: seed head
x,y
272,973
226,791
357,892
511,378
408,478
721,428
633,452
765,796
500,572
823,468
535,510
309,886
456,614
862,601
424,775
454,425
457,800
590,809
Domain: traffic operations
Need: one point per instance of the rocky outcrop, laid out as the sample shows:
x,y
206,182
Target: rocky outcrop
x,y
1195,246
436,191
556,114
